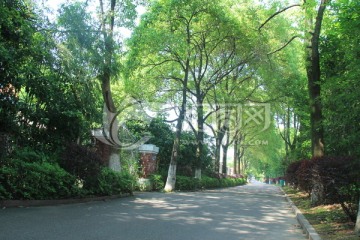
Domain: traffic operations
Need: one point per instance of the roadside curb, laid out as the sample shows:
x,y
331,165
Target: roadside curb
x,y
39,203
309,230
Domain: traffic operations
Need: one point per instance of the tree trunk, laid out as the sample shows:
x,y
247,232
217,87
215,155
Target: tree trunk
x,y
218,138
224,159
199,136
108,55
314,77
357,225
105,78
241,164
235,162
217,154
287,135
225,148
222,122
171,178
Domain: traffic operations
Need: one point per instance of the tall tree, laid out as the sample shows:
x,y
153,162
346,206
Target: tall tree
x,y
16,48
340,91
313,31
313,15
97,38
160,50
312,42
289,126
221,53
41,100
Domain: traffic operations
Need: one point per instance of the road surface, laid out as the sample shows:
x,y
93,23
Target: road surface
x,y
254,211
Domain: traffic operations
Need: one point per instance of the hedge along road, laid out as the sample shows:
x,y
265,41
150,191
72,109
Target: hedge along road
x,y
254,211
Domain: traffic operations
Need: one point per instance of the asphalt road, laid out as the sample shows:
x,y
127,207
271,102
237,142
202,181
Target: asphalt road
x,y
254,211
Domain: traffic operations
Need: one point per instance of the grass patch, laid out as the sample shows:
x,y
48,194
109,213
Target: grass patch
x,y
329,221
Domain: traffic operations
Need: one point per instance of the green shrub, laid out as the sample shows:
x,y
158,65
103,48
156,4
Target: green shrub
x,y
208,182
144,185
4,194
186,183
111,182
227,182
6,183
157,182
240,181
223,183
27,154
37,180
191,184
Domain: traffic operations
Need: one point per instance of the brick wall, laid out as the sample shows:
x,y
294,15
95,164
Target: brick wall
x,y
104,151
148,164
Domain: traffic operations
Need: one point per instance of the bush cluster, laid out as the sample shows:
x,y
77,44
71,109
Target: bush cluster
x,y
28,174
291,176
210,182
191,184
79,172
305,175
113,183
37,180
223,175
186,183
338,177
158,182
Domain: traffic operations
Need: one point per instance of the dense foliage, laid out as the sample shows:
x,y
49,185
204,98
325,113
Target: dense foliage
x,y
36,180
340,51
110,182
82,163
28,174
338,176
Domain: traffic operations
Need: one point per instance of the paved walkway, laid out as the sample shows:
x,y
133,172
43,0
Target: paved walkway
x,y
254,211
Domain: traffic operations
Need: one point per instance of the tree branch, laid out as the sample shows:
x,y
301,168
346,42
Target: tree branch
x,y
277,13
281,48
